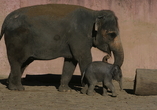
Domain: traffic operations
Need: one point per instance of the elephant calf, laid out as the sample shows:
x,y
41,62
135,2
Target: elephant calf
x,y
104,72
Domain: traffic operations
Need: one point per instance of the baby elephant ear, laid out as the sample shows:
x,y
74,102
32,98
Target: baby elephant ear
x,y
115,70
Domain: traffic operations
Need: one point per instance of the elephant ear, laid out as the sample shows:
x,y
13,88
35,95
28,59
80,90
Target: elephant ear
x,y
98,22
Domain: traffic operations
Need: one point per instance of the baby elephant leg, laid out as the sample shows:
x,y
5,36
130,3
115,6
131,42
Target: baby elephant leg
x,y
111,87
91,90
84,89
104,90
92,85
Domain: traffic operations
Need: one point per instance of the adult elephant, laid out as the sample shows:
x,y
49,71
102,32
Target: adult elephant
x,y
46,32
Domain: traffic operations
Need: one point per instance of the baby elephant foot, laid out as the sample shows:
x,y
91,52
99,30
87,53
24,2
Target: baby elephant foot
x,y
64,88
16,87
83,90
90,93
114,95
104,94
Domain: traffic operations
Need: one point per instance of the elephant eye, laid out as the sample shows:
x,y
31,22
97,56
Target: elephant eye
x,y
112,35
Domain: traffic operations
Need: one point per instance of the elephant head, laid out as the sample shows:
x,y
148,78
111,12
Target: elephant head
x,y
117,75
106,36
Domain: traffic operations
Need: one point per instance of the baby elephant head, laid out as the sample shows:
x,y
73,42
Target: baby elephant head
x,y
117,75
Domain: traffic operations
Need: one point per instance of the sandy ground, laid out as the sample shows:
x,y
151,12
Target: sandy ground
x,y
42,94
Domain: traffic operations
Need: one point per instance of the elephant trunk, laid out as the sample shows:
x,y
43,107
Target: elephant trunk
x,y
118,57
117,49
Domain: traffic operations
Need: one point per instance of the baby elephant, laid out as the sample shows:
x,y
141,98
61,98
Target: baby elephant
x,y
104,72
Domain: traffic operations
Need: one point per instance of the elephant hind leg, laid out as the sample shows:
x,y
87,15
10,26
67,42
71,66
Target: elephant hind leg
x,y
90,90
17,70
14,79
26,63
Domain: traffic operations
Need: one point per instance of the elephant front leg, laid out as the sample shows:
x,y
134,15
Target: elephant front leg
x,y
111,87
68,70
83,63
104,89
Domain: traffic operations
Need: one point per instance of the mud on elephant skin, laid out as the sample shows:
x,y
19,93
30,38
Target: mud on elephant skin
x,y
104,72
58,30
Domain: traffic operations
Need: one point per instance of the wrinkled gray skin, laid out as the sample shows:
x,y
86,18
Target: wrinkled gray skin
x,y
101,72
46,32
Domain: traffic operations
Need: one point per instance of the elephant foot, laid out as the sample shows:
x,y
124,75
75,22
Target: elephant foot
x,y
114,95
16,87
64,88
84,90
104,94
90,93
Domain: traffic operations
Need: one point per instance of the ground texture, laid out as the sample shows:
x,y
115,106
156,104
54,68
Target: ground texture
x,y
42,94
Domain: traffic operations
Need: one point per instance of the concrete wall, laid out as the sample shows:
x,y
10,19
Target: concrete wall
x,y
138,29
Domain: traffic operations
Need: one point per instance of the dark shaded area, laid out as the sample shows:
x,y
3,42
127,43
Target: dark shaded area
x,y
99,90
3,81
51,80
130,91
47,80
54,80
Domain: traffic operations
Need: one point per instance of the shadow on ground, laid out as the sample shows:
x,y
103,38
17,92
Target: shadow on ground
x,y
47,80
130,91
54,80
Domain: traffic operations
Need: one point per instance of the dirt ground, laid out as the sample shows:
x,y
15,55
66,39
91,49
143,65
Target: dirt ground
x,y
42,94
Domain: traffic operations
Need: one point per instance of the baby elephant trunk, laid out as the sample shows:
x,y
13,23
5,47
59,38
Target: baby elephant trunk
x,y
120,84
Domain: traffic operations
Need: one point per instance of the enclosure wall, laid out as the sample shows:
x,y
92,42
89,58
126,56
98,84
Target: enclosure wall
x,y
138,30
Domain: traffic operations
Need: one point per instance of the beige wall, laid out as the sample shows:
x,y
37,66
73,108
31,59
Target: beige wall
x,y
138,29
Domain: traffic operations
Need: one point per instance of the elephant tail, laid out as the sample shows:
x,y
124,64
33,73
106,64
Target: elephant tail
x,y
1,35
2,31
